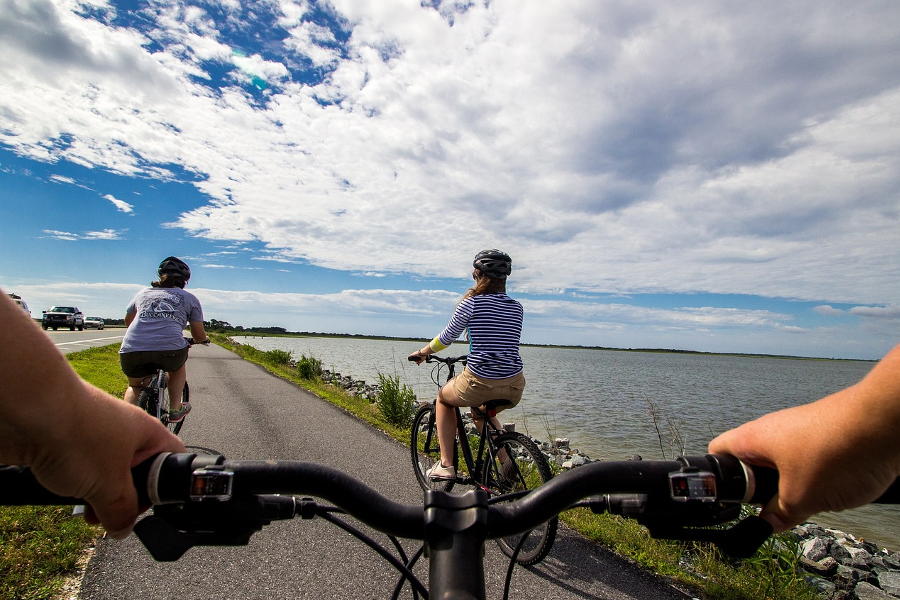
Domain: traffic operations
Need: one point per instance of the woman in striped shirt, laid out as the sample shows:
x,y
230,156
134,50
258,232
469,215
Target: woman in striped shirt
x,y
493,321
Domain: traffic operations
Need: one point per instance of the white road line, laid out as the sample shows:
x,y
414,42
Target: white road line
x,y
115,337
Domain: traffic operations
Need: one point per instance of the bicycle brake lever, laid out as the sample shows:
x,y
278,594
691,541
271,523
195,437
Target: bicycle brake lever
x,y
165,543
742,540
173,529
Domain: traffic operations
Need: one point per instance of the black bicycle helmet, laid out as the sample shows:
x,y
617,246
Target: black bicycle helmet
x,y
493,263
174,266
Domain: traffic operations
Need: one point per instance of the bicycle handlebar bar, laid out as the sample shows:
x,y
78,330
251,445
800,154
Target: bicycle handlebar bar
x,y
671,498
435,358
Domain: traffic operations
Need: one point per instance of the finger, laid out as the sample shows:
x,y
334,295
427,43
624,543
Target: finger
x,y
773,512
118,514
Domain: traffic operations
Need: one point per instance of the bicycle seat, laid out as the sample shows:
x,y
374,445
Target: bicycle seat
x,y
490,407
495,404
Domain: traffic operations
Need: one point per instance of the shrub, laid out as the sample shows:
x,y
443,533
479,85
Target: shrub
x,y
279,357
309,367
396,402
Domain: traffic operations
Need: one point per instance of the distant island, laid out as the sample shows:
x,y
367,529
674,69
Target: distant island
x,y
226,328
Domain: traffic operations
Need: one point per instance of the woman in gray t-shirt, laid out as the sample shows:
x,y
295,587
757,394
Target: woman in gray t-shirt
x,y
156,318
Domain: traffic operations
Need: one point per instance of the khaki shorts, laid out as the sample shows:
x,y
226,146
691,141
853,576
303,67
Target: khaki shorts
x,y
472,390
142,364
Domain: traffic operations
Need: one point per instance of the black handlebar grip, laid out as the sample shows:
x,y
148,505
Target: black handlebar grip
x,y
18,487
890,495
765,485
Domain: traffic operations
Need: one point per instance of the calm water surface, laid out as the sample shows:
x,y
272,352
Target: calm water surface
x,y
604,401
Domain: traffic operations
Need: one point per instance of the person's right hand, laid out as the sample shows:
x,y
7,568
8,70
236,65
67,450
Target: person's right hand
x,y
832,454
416,357
90,454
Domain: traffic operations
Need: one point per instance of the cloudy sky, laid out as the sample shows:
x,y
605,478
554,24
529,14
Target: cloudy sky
x,y
718,176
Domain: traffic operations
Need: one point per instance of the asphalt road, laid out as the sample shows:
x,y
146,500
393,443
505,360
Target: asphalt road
x,y
73,341
246,413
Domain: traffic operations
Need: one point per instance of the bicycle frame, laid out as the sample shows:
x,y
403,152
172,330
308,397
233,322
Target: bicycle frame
x,y
474,462
156,395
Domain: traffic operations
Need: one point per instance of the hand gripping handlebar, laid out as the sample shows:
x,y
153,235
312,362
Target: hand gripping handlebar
x,y
208,500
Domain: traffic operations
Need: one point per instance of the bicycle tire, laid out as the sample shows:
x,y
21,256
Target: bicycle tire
x,y
185,397
529,470
425,450
144,402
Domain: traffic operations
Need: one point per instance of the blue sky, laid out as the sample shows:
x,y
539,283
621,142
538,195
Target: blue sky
x,y
721,176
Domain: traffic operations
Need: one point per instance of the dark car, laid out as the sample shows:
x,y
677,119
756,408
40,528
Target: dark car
x,y
63,316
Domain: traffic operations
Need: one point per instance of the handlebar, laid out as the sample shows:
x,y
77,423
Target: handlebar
x,y
669,497
207,500
450,360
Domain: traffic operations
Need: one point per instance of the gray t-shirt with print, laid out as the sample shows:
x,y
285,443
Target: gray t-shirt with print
x,y
161,314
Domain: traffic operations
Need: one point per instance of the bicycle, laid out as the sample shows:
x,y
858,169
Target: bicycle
x,y
154,396
206,500
505,463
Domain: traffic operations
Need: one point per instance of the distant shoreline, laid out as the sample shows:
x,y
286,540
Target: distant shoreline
x,y
267,332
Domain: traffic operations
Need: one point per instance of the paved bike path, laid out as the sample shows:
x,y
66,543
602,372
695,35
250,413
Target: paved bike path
x,y
246,413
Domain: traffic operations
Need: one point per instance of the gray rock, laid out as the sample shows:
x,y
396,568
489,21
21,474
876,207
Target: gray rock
x,y
815,549
840,553
824,568
852,575
889,581
823,586
867,591
859,558
577,460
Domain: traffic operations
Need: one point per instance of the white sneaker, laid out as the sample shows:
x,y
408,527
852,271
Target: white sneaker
x,y
439,471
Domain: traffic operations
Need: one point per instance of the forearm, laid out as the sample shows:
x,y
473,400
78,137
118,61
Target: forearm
x,y
871,409
198,332
38,385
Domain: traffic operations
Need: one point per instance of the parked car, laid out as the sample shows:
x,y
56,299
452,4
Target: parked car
x,y
93,322
19,302
63,316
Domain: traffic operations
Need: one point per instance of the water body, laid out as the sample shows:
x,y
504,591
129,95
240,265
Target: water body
x,y
614,404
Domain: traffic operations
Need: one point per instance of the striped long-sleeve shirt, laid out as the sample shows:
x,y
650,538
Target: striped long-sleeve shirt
x,y
494,324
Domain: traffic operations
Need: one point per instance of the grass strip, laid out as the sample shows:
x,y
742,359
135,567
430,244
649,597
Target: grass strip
x,y
772,574
40,546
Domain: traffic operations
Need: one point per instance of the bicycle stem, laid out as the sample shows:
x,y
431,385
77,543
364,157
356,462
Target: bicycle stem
x,y
456,527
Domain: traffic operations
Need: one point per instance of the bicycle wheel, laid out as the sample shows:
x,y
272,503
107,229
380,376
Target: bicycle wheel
x,y
525,468
426,450
185,396
147,401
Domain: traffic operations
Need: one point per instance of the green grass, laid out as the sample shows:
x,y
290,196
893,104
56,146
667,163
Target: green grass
x,y
40,545
771,574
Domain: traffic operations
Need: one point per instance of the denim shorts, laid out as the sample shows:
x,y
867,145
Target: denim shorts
x,y
142,364
473,390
